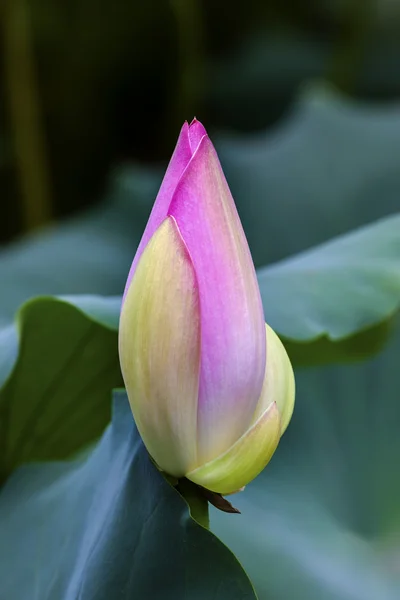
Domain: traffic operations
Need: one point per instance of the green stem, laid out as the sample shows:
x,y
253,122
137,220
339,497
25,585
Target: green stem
x,y
25,114
197,502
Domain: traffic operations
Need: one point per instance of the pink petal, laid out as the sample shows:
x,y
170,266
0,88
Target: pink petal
x,y
180,158
232,324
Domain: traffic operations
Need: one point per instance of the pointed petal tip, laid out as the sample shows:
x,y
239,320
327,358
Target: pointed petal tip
x,y
177,165
196,133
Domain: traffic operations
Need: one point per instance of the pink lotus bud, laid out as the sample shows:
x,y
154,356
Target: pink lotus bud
x,y
210,385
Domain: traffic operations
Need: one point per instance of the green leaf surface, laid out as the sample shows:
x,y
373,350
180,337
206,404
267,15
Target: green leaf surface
x,y
323,519
55,400
109,527
331,293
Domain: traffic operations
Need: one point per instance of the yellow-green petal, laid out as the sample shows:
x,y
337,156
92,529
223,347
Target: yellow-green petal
x,y
279,384
245,459
159,346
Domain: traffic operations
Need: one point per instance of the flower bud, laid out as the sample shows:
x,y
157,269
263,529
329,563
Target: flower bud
x,y
210,385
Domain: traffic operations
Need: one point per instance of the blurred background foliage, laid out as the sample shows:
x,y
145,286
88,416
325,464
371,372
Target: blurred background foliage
x,y
87,85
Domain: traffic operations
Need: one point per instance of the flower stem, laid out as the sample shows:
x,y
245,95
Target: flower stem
x,y
25,114
197,502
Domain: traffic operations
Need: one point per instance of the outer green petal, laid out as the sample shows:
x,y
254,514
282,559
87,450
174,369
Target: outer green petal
x,y
279,384
159,346
245,459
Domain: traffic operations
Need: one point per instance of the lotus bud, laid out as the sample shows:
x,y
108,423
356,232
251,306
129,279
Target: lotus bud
x,y
210,384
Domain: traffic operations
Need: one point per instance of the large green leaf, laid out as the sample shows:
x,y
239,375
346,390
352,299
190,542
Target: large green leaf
x,y
323,519
56,399
109,527
333,292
